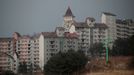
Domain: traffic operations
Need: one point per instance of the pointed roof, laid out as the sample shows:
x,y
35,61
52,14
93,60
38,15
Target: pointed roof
x,y
69,13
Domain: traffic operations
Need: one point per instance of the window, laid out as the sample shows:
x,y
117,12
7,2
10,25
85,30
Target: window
x,y
29,48
28,44
51,42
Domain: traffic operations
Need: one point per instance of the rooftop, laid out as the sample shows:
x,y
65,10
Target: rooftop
x,y
108,13
69,13
81,24
49,34
100,25
126,21
60,28
6,38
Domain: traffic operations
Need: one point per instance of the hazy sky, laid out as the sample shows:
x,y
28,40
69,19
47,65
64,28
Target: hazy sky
x,y
33,16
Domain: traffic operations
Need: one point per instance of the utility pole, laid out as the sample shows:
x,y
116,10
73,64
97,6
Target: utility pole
x,y
105,44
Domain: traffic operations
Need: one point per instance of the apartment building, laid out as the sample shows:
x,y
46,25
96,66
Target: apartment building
x,y
110,20
125,28
6,52
34,50
117,28
89,31
37,49
54,42
27,48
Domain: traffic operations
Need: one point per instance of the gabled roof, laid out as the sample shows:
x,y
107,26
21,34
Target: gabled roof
x,y
25,37
18,34
85,25
54,35
90,18
49,34
108,13
60,28
71,35
80,24
100,25
69,13
6,38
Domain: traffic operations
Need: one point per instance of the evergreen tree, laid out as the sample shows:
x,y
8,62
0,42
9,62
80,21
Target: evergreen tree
x,y
65,63
8,72
123,47
22,68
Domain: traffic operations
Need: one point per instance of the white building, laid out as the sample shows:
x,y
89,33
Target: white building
x,y
117,28
125,28
89,31
110,20
36,50
54,42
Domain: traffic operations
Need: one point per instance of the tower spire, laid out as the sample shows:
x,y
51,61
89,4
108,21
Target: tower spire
x,y
69,12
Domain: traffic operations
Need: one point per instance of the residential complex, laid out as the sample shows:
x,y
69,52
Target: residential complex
x,y
89,31
37,49
125,28
6,49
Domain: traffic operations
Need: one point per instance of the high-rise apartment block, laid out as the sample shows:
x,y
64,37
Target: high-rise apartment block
x,y
37,49
6,50
125,28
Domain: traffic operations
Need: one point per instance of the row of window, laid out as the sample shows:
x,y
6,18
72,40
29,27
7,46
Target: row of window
x,y
3,49
5,41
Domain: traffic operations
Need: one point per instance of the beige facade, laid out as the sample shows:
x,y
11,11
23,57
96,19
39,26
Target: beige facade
x,y
6,54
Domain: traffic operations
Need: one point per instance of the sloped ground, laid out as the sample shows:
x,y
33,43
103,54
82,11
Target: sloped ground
x,y
116,72
116,66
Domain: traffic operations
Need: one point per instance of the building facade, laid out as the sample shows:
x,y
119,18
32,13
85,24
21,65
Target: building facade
x,y
89,31
125,28
6,59
37,49
53,43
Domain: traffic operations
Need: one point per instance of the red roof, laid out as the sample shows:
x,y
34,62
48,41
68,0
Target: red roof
x,y
49,34
71,35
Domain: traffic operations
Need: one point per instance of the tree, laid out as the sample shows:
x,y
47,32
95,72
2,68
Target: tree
x,y
22,68
30,69
131,45
8,72
124,47
65,63
120,47
96,49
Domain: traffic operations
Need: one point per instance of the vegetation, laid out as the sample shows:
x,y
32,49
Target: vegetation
x,y
8,72
22,68
96,49
123,47
65,63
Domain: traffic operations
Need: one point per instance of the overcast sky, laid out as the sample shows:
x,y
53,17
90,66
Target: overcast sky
x,y
33,16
